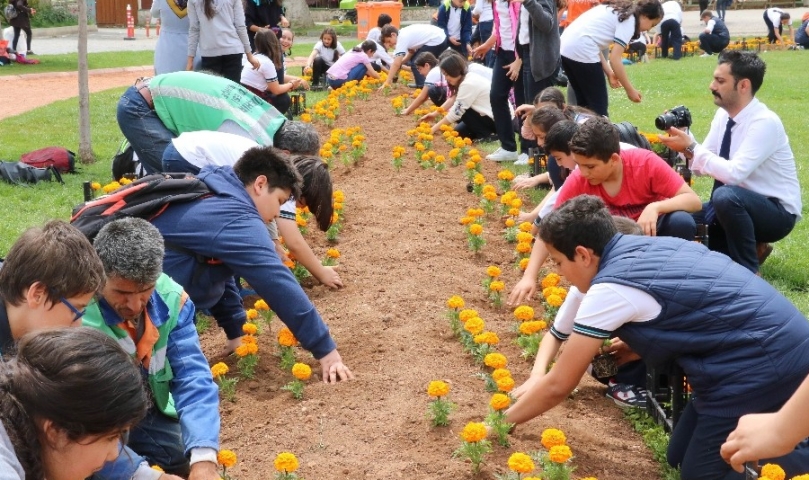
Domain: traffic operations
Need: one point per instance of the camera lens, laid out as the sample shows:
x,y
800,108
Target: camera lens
x,y
665,121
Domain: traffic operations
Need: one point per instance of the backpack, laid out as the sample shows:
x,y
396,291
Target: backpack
x,y
145,198
18,173
10,12
628,133
61,159
124,162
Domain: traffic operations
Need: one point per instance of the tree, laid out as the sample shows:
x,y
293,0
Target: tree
x,y
298,13
85,142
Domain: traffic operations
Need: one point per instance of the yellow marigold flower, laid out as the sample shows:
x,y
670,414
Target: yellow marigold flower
x,y
523,247
520,462
242,350
472,212
467,141
455,302
508,197
157,467
339,196
495,360
219,369
475,229
523,263
260,304
510,222
470,165
97,186
552,437
474,152
773,471
493,271
250,328
479,179
356,144
499,373
420,147
306,118
454,152
524,237
554,300
337,206
524,313
516,203
425,157
531,327
328,146
248,339
479,212
124,181
226,458
437,388
506,175
466,314
513,212
252,346
333,253
561,292
286,338
499,401
326,153
301,371
560,454
286,462
342,146
490,338
551,280
525,226
473,432
490,196
497,286
488,188
458,143
474,325
466,220
300,221
252,314
111,187
440,159
505,384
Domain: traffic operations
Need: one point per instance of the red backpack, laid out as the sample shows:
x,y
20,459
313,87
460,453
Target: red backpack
x,y
62,159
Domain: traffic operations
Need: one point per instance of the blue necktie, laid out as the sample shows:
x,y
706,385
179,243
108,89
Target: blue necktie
x,y
724,152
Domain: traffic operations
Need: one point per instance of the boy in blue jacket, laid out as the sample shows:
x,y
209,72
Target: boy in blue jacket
x,y
455,18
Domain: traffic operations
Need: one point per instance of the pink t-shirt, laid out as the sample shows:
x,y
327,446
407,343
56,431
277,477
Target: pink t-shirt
x,y
646,179
344,64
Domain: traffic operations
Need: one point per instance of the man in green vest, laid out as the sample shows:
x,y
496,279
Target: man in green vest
x,y
152,318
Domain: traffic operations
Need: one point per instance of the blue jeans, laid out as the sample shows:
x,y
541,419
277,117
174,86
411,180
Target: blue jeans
x,y
498,97
671,35
712,43
357,73
678,224
174,162
743,218
143,129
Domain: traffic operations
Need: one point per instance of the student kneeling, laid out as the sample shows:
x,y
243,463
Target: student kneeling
x,y
354,65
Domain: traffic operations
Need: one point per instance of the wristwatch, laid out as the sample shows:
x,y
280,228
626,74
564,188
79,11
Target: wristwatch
x,y
689,150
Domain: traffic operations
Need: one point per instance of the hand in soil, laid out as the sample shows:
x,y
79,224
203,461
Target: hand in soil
x,y
201,471
230,347
334,369
330,278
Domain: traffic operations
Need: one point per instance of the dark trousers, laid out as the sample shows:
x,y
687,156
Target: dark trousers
x,y
437,94
474,125
771,38
722,8
27,30
678,224
712,43
531,89
589,84
436,50
671,35
498,96
742,219
319,67
459,48
703,5
174,162
229,66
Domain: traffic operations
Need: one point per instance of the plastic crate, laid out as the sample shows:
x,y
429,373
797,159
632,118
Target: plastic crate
x,y
368,12
667,394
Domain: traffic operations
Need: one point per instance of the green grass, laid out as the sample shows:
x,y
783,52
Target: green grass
x,y
655,438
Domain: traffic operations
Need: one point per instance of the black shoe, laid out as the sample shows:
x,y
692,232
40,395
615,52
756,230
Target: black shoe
x,y
413,85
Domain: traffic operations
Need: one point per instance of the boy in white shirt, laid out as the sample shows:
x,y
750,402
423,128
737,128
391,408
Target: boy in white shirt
x,y
409,42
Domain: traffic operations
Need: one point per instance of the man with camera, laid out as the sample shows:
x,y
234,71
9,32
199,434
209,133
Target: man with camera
x,y
756,198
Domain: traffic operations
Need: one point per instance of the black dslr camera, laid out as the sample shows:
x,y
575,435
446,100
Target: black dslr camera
x,y
678,117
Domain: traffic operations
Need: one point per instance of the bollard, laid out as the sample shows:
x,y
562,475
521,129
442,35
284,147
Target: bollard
x,y
157,28
88,191
148,21
130,24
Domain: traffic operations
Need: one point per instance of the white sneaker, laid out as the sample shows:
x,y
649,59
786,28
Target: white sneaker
x,y
501,155
706,55
522,159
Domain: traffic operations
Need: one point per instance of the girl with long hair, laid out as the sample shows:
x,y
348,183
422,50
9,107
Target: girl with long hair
x,y
325,52
217,27
268,81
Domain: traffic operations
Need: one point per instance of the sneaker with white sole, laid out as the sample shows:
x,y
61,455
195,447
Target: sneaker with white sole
x,y
522,159
706,55
626,395
501,155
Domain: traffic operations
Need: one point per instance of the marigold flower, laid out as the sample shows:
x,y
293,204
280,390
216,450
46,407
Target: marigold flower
x,y
551,280
499,373
479,179
510,222
524,237
516,203
242,351
248,339
508,197
219,369
250,328
474,152
488,188
226,458
333,253
490,196
493,271
523,263
437,388
475,229
773,471
552,437
466,220
455,152
252,314
466,314
513,212
554,300
479,212
495,360
96,186
286,338
490,338
301,371
112,186
467,141
524,313
124,181
289,264
337,206
339,196
506,175
474,325
497,286
473,432
470,165
525,226
532,327
455,302
523,247
252,347
520,462
260,304
560,453
286,462
499,401
505,384
440,159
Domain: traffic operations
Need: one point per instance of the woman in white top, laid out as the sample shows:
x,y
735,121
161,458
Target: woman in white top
x,y
326,51
217,27
171,49
266,82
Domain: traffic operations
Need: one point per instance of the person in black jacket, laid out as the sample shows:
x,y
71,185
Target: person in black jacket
x,y
264,14
22,22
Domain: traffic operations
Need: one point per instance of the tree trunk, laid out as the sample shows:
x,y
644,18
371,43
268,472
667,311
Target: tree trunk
x,y
85,142
298,14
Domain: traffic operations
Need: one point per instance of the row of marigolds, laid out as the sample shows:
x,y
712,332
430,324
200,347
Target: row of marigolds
x,y
285,463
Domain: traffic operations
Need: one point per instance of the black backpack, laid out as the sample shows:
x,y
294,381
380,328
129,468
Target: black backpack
x,y
628,133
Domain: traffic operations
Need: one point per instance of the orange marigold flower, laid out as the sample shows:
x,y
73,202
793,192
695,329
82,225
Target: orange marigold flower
x,y
560,454
505,384
520,463
250,328
467,141
510,222
475,229
497,286
499,373
513,212
474,325
248,339
524,313
495,360
470,165
467,220
437,388
554,300
260,304
289,264
490,338
466,314
219,369
252,314
506,175
479,179
532,327
440,159
333,253
508,197
252,347
337,206
552,437
455,302
499,401
473,432
339,196
301,371
226,458
523,247
286,462
488,188
525,226
773,471
493,271
286,338
242,350
490,196
516,203
110,187
551,280
523,263
95,186
524,237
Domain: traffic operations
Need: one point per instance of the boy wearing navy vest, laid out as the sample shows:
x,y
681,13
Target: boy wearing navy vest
x,y
742,345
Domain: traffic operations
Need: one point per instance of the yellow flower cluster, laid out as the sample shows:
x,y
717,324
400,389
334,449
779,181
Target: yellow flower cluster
x,y
219,369
437,388
478,179
495,360
226,458
524,313
525,226
773,472
489,338
251,313
111,187
497,286
301,371
551,280
505,384
560,454
250,328
500,373
286,338
554,301
524,263
532,327
520,463
524,237
558,291
261,305
474,325
286,462
455,302
466,314
95,186
475,229
248,346
493,271
473,432
552,437
505,175
499,401
333,253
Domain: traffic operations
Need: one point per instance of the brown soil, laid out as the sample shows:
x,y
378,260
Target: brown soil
x,y
403,255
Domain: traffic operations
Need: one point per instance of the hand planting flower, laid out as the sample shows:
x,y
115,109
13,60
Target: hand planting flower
x,y
226,459
286,464
302,372
227,386
474,445
440,407
496,419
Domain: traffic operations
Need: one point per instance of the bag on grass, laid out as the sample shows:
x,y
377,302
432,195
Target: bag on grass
x,y
628,133
59,158
19,173
10,12
125,163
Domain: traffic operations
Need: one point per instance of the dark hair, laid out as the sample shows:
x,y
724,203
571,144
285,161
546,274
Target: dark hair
x,y
271,163
547,116
57,255
551,95
316,189
744,65
626,225
581,221
454,66
366,46
557,138
208,8
387,31
425,58
333,34
449,53
651,9
50,379
706,13
383,19
597,137
297,138
266,42
785,16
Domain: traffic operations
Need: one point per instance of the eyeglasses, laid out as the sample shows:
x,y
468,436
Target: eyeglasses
x,y
78,313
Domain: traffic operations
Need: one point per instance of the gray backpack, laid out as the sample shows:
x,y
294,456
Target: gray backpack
x,y
10,12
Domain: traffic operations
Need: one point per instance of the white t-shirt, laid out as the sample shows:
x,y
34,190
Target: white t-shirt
x,y
434,77
413,37
472,93
524,34
506,40
484,9
381,55
258,79
327,54
203,148
594,31
774,14
672,10
374,34
454,22
288,209
481,70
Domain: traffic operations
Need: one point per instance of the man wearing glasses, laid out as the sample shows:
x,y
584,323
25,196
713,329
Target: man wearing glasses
x,y
152,318
47,280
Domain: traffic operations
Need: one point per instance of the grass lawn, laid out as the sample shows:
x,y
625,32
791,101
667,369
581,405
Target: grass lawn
x,y
663,84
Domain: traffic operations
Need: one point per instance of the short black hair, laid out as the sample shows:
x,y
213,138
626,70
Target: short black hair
x,y
581,221
383,19
387,31
745,65
597,138
273,164
425,58
316,189
557,139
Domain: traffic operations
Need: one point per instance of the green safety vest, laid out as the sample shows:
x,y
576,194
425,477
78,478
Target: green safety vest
x,y
448,4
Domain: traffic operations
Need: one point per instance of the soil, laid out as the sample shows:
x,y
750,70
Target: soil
x,y
403,254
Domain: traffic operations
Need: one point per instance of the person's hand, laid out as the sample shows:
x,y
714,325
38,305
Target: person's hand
x,y
330,278
203,471
167,476
524,109
523,183
620,351
634,95
525,217
334,369
514,69
296,82
33,11
523,290
480,51
253,61
189,65
454,41
676,140
384,86
648,219
307,70
527,385
284,23
614,82
230,346
754,439
428,117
